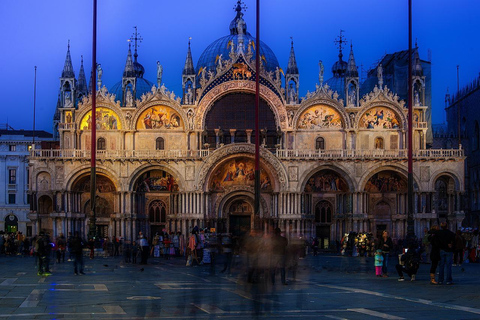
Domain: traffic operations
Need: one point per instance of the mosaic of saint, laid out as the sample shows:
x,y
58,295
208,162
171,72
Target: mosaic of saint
x,y
318,117
239,171
386,181
103,184
159,117
156,180
379,118
106,120
326,180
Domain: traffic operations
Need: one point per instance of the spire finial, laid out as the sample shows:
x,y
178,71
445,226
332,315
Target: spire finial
x,y
240,6
340,42
291,39
137,38
68,45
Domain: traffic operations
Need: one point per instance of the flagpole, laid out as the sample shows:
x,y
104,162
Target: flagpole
x,y
34,105
93,186
410,221
257,103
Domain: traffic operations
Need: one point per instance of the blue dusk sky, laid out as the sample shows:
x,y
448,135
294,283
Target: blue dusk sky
x,y
36,33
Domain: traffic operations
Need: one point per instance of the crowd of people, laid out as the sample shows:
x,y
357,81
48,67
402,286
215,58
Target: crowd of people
x,y
267,253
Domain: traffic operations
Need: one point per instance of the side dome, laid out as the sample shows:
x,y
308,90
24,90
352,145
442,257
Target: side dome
x,y
142,86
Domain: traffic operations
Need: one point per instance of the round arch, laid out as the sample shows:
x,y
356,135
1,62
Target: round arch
x,y
149,167
274,166
336,169
273,101
160,103
400,170
85,170
439,173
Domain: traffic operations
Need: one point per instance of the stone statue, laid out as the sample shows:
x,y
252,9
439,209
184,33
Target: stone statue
x,y
68,100
352,98
189,96
290,117
190,115
99,75
159,73
320,73
417,98
219,64
292,95
129,99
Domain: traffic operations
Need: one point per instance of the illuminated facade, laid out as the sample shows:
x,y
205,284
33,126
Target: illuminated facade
x,y
331,162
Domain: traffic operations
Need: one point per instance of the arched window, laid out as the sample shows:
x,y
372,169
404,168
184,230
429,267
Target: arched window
x,y
323,212
320,143
101,144
160,144
379,143
157,212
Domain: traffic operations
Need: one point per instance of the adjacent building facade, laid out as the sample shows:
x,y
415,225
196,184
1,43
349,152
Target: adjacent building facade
x,y
333,161
14,176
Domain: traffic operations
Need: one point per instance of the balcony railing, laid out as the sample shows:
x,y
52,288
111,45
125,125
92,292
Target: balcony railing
x,y
280,153
369,154
120,154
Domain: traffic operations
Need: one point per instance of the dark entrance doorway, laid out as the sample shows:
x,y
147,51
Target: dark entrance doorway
x,y
323,235
240,225
11,223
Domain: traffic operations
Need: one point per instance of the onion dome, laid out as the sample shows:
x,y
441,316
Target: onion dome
x,y
221,47
133,69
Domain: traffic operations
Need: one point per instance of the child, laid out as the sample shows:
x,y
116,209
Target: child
x,y
378,262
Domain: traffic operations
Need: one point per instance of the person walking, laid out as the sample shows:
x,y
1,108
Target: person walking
x,y
279,252
77,246
434,252
458,249
446,240
144,248
386,245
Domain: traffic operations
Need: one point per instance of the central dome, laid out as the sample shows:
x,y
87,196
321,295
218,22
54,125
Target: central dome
x,y
221,47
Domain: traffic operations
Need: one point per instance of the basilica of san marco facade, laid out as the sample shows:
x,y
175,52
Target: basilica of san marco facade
x,y
332,162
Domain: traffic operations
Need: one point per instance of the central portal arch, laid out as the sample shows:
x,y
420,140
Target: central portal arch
x,y
240,215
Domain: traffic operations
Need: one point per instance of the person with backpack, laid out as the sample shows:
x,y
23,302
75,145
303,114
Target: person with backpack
x,y
411,263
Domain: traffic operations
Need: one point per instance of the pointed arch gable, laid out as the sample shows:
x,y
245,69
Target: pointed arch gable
x,y
335,106
159,102
367,112
111,109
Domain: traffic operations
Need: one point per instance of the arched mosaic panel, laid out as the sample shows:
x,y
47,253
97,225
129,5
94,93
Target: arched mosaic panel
x,y
326,181
238,171
106,120
156,181
159,117
386,181
379,118
319,117
103,184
